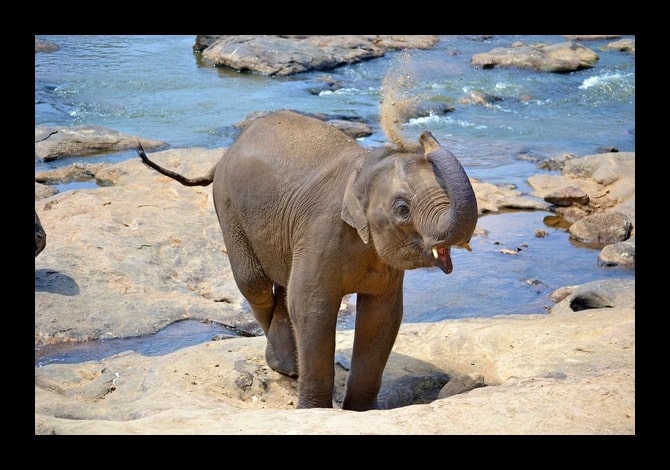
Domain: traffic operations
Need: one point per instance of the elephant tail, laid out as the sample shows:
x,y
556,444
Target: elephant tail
x,y
199,181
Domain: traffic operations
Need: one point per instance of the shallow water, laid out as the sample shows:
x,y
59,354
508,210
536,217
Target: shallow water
x,y
175,336
156,87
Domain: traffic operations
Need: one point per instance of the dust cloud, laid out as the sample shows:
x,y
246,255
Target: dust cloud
x,y
398,99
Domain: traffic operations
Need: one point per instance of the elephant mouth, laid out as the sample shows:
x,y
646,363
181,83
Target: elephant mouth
x,y
442,256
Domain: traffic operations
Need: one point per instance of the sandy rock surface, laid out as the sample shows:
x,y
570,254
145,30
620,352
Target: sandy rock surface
x,y
560,373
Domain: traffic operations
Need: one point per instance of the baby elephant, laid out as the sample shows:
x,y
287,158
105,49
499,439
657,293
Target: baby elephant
x,y
308,216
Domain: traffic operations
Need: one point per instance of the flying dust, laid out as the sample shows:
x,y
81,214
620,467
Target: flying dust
x,y
399,99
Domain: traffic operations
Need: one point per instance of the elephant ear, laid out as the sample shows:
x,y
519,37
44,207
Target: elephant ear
x,y
352,207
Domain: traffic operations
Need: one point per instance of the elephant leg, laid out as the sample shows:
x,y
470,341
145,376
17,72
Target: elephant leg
x,y
267,301
378,320
314,317
281,353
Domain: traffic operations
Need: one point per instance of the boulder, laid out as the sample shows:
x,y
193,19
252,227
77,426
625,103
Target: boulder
x,y
288,55
563,57
40,236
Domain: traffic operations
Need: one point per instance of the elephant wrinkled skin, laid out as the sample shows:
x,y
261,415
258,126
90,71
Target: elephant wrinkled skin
x,y
309,216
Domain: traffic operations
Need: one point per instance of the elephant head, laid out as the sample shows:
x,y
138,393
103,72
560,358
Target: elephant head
x,y
413,207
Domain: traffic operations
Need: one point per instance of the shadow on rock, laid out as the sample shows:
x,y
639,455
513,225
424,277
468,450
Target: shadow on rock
x,y
406,381
47,280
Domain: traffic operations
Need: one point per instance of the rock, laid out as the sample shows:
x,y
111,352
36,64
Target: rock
x,y
619,254
54,143
606,294
353,129
419,109
103,174
45,46
462,384
44,190
561,58
601,229
290,54
624,45
607,182
40,236
480,98
130,238
590,37
567,196
571,371
492,198
346,124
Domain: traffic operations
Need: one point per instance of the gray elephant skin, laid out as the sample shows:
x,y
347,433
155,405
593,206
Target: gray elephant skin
x,y
309,216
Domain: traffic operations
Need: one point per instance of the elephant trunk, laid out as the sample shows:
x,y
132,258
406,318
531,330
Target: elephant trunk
x,y
458,223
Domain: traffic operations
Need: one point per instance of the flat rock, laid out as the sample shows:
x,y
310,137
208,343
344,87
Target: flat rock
x,y
54,143
563,57
282,55
569,372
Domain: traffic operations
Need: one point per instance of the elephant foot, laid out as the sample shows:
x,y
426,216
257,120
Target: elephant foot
x,y
282,361
281,353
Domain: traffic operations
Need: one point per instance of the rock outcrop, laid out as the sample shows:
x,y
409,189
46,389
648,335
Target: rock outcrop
x,y
288,55
561,58
571,371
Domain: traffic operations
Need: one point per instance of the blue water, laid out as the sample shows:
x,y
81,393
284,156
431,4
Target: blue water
x,y
156,87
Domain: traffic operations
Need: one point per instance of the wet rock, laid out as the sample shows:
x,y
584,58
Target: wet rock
x,y
351,128
572,214
561,58
623,45
608,181
42,45
290,54
555,163
590,37
491,198
347,124
480,98
325,84
419,109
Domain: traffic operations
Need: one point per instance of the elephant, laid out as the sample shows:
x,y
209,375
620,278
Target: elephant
x,y
308,216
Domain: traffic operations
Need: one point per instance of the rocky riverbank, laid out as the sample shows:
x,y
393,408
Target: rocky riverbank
x,y
140,253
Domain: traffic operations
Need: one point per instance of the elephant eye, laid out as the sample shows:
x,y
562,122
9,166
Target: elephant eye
x,y
401,209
